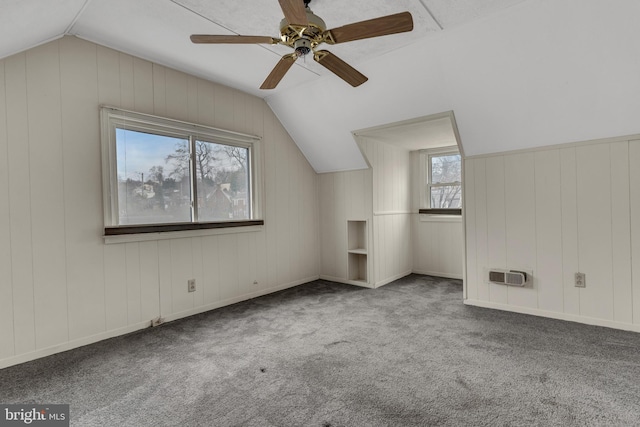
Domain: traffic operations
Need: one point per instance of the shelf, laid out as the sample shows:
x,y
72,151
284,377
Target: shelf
x,y
357,235
358,267
357,251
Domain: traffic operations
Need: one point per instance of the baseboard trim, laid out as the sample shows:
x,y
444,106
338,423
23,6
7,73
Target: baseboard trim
x,y
438,274
555,315
234,300
392,278
92,339
70,345
363,284
345,281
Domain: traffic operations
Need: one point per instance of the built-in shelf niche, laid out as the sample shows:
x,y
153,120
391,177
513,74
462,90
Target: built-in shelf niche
x,y
357,250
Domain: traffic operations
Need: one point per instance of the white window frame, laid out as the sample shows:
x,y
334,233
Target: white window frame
x,y
112,118
425,178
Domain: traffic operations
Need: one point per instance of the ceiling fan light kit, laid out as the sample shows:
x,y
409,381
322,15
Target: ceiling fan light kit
x,y
303,31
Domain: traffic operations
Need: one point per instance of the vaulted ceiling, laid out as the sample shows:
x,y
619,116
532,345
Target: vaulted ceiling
x,y
516,73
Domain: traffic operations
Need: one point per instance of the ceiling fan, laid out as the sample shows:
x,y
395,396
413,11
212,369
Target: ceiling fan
x,y
303,31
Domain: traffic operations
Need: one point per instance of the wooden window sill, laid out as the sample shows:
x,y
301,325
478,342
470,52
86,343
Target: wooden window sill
x,y
440,211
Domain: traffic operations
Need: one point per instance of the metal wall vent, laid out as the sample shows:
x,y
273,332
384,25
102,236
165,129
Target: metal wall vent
x,y
508,277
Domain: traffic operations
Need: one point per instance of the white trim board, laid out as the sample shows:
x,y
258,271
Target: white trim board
x,y
392,279
346,282
234,300
555,315
49,351
557,146
438,274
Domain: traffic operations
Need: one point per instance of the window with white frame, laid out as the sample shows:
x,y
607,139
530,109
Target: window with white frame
x,y
166,175
442,171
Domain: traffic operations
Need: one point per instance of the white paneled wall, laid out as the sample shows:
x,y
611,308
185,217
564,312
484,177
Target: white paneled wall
x,y
7,343
379,195
343,196
391,210
437,247
634,209
437,242
60,285
392,247
558,211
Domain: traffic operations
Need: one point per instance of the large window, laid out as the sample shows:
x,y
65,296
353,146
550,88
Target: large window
x,y
165,175
442,170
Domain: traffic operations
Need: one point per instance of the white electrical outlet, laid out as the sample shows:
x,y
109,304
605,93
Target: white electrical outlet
x,y
191,285
581,280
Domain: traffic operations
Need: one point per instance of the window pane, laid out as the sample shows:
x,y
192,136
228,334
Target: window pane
x,y
222,180
153,178
445,169
446,197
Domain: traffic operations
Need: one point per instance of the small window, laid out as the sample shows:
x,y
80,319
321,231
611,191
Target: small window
x,y
443,182
165,175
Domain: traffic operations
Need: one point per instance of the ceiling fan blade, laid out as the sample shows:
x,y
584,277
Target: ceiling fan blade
x,y
294,12
279,71
390,24
340,68
205,38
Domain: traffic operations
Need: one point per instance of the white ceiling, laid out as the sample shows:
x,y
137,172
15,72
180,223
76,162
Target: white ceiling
x,y
416,134
159,30
517,73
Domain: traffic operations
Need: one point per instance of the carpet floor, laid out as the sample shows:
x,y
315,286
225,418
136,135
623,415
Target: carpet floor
x,y
326,354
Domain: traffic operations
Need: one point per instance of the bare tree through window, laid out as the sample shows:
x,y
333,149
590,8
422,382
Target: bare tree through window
x,y
155,184
444,181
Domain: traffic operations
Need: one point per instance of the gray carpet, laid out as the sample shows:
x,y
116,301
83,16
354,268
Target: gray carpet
x,y
325,354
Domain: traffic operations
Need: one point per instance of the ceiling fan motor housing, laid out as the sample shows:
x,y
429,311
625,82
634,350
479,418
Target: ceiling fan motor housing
x,y
303,37
304,31
302,46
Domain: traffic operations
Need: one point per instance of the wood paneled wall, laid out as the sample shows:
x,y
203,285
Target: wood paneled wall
x,y
392,238
60,285
343,196
379,195
437,243
558,211
437,247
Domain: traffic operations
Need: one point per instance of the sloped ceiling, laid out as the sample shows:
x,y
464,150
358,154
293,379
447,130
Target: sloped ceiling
x,y
542,72
516,73
415,134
